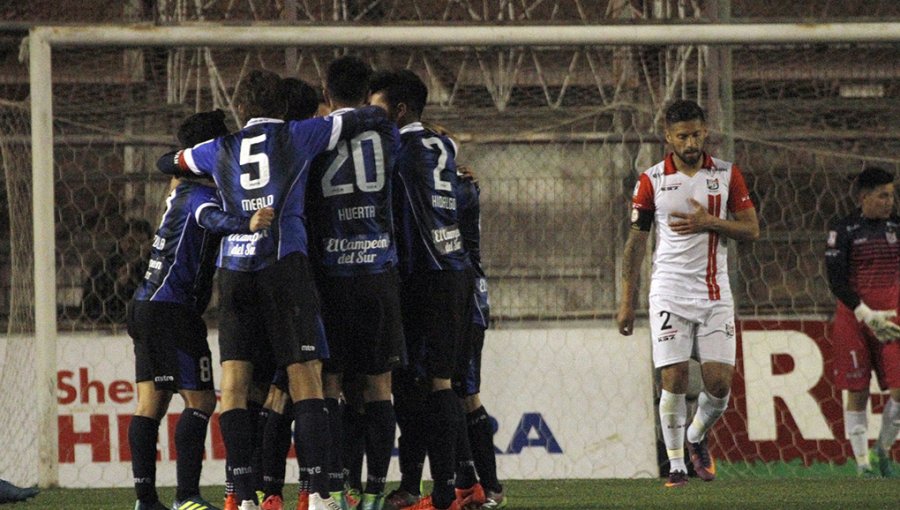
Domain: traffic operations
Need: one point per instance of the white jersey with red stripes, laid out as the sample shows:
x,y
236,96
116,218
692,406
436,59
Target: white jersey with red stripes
x,y
693,265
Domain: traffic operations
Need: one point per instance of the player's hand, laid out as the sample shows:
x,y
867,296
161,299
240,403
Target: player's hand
x,y
879,321
625,319
698,220
262,219
466,173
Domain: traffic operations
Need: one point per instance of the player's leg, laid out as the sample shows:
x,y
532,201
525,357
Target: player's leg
x,y
155,379
853,371
716,346
354,440
469,492
410,395
276,441
673,339
332,382
888,371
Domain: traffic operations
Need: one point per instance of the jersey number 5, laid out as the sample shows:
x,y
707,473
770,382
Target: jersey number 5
x,y
355,147
261,160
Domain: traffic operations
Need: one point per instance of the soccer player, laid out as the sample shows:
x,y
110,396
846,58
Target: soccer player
x,y
165,321
265,277
468,383
355,259
695,200
436,289
863,262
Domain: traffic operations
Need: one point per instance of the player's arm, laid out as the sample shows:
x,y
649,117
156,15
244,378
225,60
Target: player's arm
x,y
743,227
211,217
632,259
321,134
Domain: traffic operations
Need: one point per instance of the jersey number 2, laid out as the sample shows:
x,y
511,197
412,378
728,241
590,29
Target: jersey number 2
x,y
261,160
354,147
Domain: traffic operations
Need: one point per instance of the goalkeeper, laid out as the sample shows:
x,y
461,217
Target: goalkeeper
x,y
863,261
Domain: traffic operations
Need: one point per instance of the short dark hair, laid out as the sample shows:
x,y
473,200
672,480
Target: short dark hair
x,y
347,79
402,86
202,126
871,177
684,110
302,100
259,95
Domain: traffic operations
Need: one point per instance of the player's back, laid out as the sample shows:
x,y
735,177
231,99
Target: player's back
x,y
425,208
349,204
469,203
182,258
872,256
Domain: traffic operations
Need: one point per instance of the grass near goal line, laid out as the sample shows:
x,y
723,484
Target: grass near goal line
x,y
787,493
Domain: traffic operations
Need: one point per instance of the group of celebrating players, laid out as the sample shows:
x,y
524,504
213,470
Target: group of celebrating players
x,y
347,248
365,211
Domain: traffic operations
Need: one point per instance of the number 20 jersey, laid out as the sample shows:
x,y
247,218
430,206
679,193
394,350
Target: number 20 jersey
x,y
693,266
425,210
349,204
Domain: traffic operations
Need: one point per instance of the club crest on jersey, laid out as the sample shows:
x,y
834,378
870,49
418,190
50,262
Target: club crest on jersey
x,y
712,184
891,237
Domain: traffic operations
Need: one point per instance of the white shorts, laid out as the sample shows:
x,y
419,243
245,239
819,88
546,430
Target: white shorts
x,y
682,327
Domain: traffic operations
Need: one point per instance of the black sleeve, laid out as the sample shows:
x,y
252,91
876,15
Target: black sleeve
x,y
837,263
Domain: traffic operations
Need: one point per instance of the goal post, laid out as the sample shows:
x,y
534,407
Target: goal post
x,y
42,42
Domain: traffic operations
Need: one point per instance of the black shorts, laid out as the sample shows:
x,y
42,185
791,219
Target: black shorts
x,y
436,312
170,346
467,381
275,308
363,323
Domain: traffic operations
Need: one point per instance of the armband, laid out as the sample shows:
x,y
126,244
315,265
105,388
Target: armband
x,y
641,219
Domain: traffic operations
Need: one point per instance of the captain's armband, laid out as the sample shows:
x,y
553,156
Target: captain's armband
x,y
641,219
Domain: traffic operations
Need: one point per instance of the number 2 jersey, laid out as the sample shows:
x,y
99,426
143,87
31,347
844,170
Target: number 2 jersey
x,y
349,204
863,261
425,211
182,259
266,164
693,266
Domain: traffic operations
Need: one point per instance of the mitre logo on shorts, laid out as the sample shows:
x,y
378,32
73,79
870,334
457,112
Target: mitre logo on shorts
x,y
891,237
712,184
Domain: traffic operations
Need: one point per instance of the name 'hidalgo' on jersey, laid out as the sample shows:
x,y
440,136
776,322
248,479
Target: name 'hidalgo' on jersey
x,y
182,259
349,204
266,164
469,207
425,210
690,266
863,261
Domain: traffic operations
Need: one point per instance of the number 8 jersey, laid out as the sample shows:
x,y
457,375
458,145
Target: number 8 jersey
x,y
349,204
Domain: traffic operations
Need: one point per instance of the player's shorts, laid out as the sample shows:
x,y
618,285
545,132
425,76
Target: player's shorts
x,y
278,305
681,328
363,323
467,382
436,312
170,346
856,353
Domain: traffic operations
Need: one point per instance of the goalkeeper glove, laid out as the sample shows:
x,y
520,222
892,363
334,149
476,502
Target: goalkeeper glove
x,y
879,321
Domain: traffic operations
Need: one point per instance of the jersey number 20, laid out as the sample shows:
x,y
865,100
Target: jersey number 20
x,y
354,147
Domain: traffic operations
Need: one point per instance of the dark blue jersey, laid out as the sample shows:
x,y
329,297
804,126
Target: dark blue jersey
x,y
425,212
349,205
467,201
182,259
266,164
863,261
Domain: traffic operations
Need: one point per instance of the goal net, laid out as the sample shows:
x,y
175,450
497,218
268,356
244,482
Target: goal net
x,y
557,135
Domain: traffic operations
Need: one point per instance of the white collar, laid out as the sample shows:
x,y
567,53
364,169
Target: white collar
x,y
259,120
412,126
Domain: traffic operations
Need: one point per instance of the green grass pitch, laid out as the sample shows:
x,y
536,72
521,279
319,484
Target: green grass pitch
x,y
844,492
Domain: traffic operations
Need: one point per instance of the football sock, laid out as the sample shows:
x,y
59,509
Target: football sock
x,y
143,434
890,425
444,421
709,410
672,415
333,461
238,432
259,414
313,440
465,465
409,408
276,444
380,424
190,439
354,445
856,424
481,439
